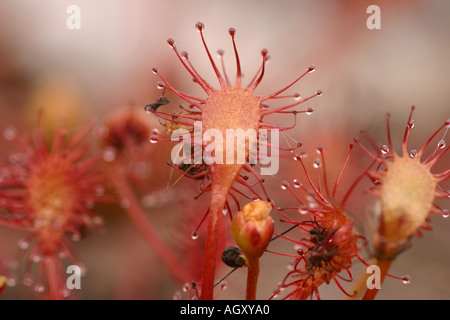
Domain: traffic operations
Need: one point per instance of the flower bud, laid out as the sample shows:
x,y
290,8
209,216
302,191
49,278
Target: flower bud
x,y
252,228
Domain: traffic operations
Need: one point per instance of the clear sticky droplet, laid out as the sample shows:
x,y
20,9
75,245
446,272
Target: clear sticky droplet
x,y
410,124
445,213
413,153
441,144
309,111
406,279
297,96
160,85
312,204
224,212
171,42
384,149
194,235
303,210
297,183
223,285
199,26
316,163
284,184
154,136
153,139
319,92
311,68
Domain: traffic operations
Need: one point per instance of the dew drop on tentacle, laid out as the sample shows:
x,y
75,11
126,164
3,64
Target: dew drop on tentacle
x,y
223,285
160,85
297,183
384,149
406,279
284,184
154,136
316,163
171,42
194,235
199,26
303,210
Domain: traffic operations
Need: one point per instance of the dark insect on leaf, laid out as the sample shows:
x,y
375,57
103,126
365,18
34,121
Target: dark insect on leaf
x,y
158,103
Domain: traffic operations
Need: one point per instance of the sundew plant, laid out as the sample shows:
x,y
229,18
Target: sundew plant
x,y
230,186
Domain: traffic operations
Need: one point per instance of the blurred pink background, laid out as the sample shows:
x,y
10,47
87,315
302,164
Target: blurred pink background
x,y
88,73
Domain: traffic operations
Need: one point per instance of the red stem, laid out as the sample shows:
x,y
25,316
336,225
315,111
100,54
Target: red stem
x,y
252,278
142,224
211,248
52,267
384,268
222,177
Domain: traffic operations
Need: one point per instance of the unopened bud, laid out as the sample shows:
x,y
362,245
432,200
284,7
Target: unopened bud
x,y
252,228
